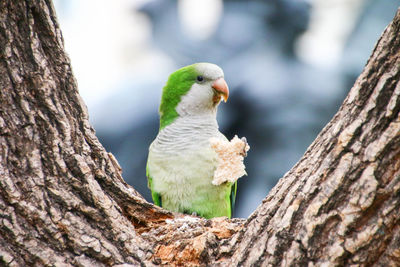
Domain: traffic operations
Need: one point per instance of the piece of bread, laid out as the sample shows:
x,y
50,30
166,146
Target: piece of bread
x,y
230,159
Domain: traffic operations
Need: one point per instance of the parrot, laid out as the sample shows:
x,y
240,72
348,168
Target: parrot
x,y
181,163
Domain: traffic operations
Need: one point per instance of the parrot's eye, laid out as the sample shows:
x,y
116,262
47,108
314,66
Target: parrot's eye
x,y
200,78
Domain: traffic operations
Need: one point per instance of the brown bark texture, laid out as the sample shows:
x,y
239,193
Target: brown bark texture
x,y
63,201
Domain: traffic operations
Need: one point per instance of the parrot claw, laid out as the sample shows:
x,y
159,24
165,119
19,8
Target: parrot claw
x,y
244,152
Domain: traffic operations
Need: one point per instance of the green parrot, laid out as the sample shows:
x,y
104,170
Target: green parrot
x,y
181,162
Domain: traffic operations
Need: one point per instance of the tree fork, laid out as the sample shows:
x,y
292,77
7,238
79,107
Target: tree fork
x,y
63,201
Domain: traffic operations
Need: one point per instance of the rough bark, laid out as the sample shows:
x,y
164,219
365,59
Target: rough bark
x,y
63,201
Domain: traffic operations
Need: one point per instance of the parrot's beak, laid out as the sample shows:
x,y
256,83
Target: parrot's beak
x,y
221,88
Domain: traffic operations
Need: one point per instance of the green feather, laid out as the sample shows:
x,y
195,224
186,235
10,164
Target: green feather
x,y
178,84
154,195
233,198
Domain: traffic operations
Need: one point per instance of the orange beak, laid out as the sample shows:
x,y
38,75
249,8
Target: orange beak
x,y
221,88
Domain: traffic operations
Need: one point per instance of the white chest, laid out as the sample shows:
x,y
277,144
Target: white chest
x,y
181,162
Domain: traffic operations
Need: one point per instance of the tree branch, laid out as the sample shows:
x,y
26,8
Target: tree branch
x,y
63,199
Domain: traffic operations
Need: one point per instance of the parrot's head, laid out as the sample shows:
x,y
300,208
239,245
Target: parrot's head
x,y
192,90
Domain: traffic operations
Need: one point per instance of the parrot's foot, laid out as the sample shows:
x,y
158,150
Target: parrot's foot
x,y
244,152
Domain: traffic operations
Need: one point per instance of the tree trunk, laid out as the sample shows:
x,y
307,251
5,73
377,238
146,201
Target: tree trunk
x,y
63,201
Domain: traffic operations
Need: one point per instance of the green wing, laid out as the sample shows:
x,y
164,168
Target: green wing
x,y
154,195
233,197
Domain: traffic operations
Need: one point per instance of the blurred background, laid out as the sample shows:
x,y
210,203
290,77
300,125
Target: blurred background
x,y
289,64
